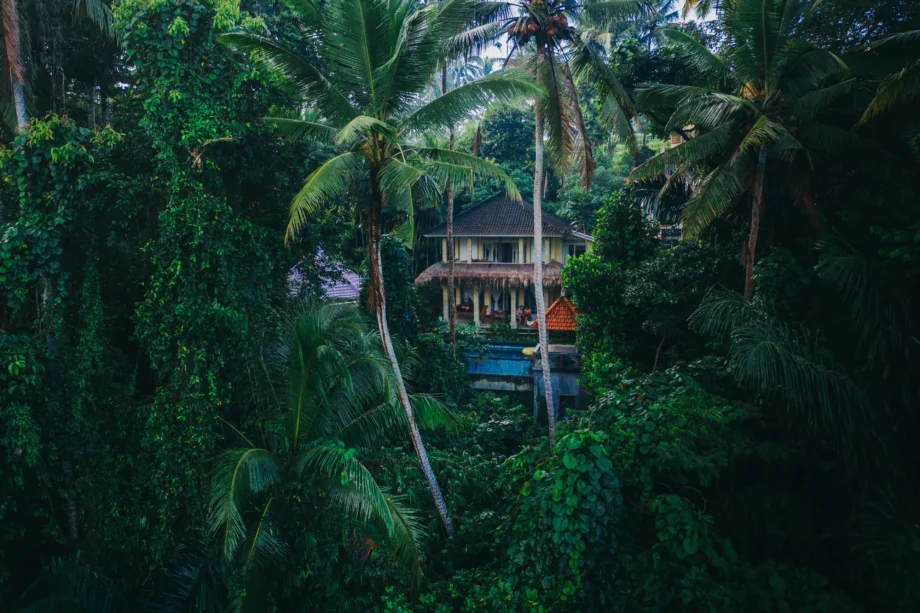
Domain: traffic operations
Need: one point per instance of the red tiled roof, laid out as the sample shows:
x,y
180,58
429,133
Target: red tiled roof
x,y
560,316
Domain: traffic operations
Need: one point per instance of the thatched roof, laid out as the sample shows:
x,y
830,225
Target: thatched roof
x,y
491,274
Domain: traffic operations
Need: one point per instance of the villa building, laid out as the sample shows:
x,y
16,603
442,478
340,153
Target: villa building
x,y
493,261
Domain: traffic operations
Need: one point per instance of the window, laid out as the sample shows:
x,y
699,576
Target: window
x,y
573,250
490,252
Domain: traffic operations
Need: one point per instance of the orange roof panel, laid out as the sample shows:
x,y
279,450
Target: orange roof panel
x,y
560,316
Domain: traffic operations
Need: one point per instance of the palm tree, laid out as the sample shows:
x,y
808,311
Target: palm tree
x,y
896,59
771,84
553,50
700,7
458,49
374,60
16,114
331,387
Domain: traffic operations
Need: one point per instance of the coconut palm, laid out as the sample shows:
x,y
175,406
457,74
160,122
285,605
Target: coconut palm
x,y
465,66
374,60
327,381
548,44
771,85
13,88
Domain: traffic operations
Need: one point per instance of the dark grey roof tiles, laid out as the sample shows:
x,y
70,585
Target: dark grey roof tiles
x,y
501,216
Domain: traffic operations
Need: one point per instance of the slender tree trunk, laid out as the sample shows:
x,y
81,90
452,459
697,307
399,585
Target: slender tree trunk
x,y
91,107
380,308
15,64
756,209
73,516
451,298
538,262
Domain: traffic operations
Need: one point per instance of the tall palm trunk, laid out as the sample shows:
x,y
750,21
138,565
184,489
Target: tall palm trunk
x,y
91,107
380,308
14,60
538,261
451,298
756,209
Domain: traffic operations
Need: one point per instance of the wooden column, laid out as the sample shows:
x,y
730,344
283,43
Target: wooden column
x,y
444,251
514,292
546,250
476,305
487,299
445,301
457,293
520,251
469,250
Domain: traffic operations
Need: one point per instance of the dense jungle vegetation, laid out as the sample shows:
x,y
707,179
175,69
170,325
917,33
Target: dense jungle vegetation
x,y
181,430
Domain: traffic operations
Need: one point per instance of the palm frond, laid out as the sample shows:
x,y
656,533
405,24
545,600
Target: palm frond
x,y
99,15
695,53
325,183
474,40
557,112
397,177
417,53
765,133
584,155
778,361
67,584
359,126
299,129
238,474
477,167
716,194
588,64
896,91
808,106
900,39
506,86
264,546
782,362
810,70
720,312
192,582
650,95
358,495
294,72
307,11
696,150
609,12
356,43
620,125
388,419
709,112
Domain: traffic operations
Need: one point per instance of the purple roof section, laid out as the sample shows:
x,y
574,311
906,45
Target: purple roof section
x,y
338,282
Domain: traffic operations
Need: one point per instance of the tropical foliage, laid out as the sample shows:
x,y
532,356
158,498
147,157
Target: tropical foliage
x,y
216,369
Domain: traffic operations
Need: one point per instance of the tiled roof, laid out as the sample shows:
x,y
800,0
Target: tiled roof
x,y
560,316
501,216
338,282
347,288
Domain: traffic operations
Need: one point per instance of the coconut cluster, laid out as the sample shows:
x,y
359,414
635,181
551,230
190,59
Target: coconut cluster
x,y
557,26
